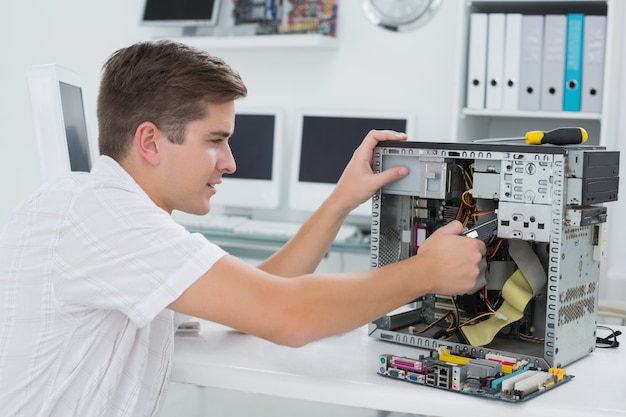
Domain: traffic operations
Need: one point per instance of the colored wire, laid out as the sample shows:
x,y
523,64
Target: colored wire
x,y
494,249
486,299
434,323
477,317
529,338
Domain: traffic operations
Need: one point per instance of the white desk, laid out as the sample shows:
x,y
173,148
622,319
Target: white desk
x,y
342,370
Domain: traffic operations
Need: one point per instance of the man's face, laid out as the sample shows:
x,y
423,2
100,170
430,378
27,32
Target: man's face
x,y
193,169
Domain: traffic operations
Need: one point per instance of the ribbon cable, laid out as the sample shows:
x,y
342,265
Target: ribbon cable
x,y
517,292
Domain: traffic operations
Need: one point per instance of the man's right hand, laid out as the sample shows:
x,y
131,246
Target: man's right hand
x,y
454,259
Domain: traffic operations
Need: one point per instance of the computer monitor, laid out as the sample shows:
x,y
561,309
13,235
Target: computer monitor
x,y
325,142
59,119
257,149
187,14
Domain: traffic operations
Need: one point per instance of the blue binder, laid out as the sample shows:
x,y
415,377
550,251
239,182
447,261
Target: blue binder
x,y
573,62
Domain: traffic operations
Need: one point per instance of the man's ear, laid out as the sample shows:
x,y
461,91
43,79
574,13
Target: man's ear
x,y
147,142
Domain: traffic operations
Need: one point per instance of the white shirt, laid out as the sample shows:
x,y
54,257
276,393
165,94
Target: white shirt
x,y
88,266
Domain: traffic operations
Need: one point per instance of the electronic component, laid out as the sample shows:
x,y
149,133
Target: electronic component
x,y
192,327
484,231
539,210
287,16
488,378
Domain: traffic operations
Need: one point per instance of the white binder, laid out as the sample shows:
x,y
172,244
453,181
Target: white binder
x,y
477,61
553,72
495,61
530,62
513,33
593,64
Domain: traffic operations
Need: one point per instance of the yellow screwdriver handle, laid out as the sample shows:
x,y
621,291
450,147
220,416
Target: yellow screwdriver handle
x,y
560,136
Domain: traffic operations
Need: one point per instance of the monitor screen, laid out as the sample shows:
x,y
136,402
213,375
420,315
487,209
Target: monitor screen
x,y
252,144
256,147
75,127
324,147
182,13
59,119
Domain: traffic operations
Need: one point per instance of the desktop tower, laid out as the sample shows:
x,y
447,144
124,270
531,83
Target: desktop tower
x,y
537,297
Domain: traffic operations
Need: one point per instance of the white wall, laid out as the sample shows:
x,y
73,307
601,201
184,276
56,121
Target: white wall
x,y
73,33
418,71
372,69
614,284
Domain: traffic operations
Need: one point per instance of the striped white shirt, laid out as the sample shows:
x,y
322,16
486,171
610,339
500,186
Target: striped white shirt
x,y
88,266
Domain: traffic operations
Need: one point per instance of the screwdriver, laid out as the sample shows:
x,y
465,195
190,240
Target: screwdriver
x,y
558,136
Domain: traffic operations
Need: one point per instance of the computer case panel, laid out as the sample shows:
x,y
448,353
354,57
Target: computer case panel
x,y
547,202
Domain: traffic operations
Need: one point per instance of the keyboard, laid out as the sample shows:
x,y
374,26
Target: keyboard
x,y
221,223
272,229
267,228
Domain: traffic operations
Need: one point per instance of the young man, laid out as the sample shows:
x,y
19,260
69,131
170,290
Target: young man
x,y
93,266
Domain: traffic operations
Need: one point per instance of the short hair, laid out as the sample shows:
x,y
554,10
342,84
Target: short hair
x,y
164,82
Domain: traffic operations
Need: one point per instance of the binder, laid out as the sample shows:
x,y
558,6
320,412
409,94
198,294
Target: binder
x,y
553,71
513,33
530,62
495,61
593,63
573,62
477,61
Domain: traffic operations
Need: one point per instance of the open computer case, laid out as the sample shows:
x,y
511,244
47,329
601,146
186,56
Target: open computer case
x,y
537,298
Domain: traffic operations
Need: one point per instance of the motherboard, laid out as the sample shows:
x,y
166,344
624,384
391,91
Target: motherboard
x,y
494,376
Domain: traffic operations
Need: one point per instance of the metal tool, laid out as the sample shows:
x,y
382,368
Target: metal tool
x,y
559,136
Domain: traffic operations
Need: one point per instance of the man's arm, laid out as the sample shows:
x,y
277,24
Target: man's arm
x,y
303,253
308,307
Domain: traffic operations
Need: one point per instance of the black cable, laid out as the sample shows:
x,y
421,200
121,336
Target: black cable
x,y
609,341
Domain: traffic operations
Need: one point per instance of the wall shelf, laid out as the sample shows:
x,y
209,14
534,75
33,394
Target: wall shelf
x,y
490,123
261,41
533,114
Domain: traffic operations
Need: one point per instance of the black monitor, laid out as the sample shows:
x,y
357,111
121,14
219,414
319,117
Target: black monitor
x,y
75,127
187,14
257,149
252,145
325,143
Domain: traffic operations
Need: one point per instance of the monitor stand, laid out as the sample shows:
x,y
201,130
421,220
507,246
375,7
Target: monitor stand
x,y
190,31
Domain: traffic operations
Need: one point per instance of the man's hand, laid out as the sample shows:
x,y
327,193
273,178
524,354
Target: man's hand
x,y
454,259
358,181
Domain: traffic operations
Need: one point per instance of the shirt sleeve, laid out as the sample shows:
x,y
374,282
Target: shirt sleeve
x,y
117,250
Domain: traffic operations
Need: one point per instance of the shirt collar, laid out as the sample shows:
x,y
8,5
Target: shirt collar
x,y
106,166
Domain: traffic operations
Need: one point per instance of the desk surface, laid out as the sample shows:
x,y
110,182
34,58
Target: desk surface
x,y
342,370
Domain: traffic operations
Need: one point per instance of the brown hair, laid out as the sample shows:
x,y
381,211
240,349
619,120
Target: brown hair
x,y
164,82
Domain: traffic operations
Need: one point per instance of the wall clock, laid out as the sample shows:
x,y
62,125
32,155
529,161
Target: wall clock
x,y
399,15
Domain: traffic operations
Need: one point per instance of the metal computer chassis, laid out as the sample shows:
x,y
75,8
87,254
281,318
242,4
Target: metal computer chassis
x,y
549,196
